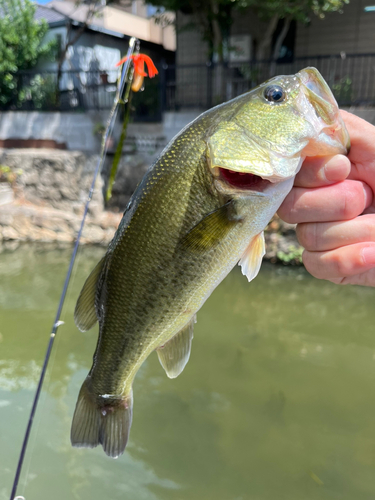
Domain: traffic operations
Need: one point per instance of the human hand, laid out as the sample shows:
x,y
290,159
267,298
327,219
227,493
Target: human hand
x,y
333,204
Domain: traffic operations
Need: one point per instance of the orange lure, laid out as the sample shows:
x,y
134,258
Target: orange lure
x,y
139,61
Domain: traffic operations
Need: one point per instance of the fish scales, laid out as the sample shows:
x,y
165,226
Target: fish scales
x,y
200,209
157,272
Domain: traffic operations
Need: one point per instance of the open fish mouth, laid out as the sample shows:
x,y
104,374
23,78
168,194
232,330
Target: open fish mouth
x,y
243,180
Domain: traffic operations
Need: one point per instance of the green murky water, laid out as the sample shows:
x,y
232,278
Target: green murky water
x,y
277,401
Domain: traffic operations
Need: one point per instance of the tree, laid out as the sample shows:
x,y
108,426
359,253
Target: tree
x,y
289,10
91,9
21,44
214,18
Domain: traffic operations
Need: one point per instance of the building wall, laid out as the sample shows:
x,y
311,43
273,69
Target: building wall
x,y
49,64
191,49
246,22
353,31
113,19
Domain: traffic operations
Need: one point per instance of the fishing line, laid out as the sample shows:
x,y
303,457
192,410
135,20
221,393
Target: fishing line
x,y
126,77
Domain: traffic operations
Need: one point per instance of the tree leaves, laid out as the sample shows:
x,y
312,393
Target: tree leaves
x,y
21,44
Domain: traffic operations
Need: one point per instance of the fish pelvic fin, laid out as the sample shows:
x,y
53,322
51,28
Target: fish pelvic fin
x,y
85,312
108,425
175,353
251,259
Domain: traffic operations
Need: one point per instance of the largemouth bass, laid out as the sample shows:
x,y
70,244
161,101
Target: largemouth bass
x,y
200,209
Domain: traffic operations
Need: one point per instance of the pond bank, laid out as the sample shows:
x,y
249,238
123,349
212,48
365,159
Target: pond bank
x,y
48,189
24,222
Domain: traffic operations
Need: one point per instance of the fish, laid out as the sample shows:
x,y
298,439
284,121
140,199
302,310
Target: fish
x,y
200,209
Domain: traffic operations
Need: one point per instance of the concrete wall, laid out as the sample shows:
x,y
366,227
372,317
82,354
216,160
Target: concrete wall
x,y
76,130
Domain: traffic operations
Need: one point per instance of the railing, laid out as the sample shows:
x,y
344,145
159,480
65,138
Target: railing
x,y
350,76
76,91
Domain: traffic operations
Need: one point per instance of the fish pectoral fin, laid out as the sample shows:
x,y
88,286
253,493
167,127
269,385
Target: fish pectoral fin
x,y
251,259
175,353
85,313
211,229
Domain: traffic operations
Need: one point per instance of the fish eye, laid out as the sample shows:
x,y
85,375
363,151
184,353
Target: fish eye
x,y
274,93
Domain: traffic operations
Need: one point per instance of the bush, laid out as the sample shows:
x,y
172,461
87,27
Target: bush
x,y
21,46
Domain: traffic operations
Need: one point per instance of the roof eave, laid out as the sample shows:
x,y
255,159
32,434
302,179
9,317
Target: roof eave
x,y
57,24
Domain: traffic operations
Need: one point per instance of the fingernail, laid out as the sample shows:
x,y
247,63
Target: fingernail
x,y
337,168
368,255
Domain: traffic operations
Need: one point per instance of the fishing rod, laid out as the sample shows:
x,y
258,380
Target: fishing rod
x,y
121,97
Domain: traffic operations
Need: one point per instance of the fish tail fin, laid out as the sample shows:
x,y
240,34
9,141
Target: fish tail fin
x,y
106,425
115,426
86,420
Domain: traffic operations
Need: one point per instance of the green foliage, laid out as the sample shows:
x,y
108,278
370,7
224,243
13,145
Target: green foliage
x,y
41,91
98,129
292,256
343,90
21,45
215,17
299,10
8,175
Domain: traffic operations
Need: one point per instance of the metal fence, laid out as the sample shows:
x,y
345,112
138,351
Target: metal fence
x,y
75,91
350,76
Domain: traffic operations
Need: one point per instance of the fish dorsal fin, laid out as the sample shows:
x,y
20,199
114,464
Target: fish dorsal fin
x,y
211,229
85,313
251,259
175,353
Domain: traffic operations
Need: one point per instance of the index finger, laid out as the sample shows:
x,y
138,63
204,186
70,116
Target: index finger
x,y
320,171
362,138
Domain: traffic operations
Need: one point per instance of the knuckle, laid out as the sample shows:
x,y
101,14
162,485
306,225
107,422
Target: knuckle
x,y
326,265
307,235
352,203
343,265
287,211
339,266
368,222
310,261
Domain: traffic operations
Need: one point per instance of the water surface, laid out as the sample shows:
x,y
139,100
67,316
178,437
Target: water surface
x,y
277,401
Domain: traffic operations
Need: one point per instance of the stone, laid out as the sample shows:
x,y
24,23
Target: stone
x,y
6,193
9,233
94,234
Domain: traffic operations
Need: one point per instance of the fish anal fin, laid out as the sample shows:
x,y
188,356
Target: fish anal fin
x,y
85,313
175,353
251,259
211,229
106,425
